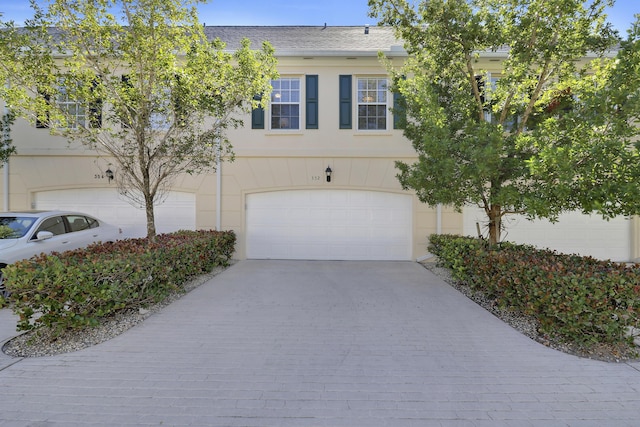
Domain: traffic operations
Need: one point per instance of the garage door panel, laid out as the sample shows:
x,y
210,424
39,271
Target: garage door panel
x,y
358,234
339,199
339,216
358,214
314,216
390,235
329,224
337,233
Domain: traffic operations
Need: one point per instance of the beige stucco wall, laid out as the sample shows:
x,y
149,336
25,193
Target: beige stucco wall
x,y
266,160
249,175
246,175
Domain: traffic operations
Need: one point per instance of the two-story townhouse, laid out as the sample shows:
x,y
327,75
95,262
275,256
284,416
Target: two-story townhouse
x,y
314,175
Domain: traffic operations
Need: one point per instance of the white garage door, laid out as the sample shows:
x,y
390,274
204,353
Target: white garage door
x,y
573,233
177,212
329,225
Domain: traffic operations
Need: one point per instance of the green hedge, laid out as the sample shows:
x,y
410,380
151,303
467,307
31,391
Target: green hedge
x,y
580,298
74,289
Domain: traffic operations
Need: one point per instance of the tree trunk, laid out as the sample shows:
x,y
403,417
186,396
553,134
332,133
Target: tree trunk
x,y
151,221
495,223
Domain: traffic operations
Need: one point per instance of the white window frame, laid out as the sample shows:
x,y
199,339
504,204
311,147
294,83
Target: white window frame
x,y
492,79
161,121
373,96
289,94
75,113
490,82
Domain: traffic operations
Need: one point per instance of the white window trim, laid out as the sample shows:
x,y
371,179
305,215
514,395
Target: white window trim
x,y
300,103
64,103
491,80
388,104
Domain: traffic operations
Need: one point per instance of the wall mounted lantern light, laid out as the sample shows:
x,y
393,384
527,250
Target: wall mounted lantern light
x,y
109,174
328,172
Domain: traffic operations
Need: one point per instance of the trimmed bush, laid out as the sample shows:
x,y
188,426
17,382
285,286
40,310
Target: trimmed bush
x,y
74,289
582,299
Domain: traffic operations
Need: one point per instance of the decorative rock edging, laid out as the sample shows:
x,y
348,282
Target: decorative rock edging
x,y
529,326
39,343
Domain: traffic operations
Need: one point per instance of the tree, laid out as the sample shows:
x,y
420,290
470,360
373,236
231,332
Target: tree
x,y
506,141
8,45
151,93
6,145
602,138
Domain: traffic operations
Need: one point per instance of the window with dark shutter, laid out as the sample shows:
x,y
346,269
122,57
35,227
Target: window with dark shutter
x,y
285,103
372,103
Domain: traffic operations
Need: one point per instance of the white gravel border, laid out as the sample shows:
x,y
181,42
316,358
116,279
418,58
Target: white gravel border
x,y
39,343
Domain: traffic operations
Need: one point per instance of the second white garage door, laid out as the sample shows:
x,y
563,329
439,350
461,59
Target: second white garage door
x,y
574,233
177,212
329,225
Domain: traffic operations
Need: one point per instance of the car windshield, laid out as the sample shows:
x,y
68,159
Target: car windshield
x,y
14,227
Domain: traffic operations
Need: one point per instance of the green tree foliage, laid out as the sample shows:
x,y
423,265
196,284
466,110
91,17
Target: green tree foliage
x,y
522,139
595,151
147,88
6,144
12,47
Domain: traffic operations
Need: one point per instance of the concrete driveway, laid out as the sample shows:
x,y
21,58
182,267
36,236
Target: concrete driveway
x,y
297,343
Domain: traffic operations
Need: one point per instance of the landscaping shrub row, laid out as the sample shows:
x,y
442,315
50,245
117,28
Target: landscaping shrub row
x,y
74,289
582,299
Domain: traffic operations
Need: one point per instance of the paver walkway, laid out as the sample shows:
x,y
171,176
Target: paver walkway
x,y
297,343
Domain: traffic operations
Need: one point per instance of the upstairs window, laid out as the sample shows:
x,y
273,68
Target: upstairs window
x,y
156,107
76,114
372,98
285,104
485,94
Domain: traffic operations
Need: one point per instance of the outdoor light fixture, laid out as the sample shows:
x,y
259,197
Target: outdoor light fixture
x,y
109,174
328,171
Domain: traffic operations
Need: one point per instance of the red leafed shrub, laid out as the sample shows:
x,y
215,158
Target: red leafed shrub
x,y
74,289
580,298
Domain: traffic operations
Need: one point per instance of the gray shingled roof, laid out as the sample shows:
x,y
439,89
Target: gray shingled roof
x,y
312,41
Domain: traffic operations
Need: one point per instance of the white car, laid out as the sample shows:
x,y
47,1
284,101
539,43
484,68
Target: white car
x,y
29,233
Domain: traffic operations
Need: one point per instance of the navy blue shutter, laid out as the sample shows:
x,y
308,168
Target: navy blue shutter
x,y
311,106
399,108
257,115
126,84
95,114
95,110
345,102
42,118
399,111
